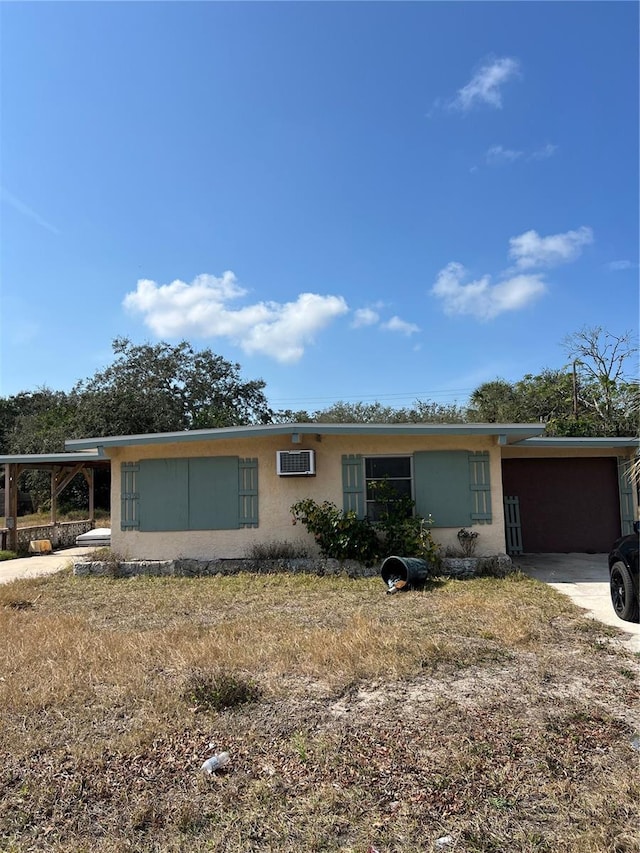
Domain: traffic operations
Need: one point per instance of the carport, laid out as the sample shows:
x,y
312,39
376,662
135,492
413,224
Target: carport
x,y
62,467
565,495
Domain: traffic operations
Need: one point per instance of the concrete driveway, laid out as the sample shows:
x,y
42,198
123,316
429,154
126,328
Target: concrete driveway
x,y
43,564
585,579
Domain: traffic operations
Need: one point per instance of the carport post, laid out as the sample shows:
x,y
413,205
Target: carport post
x,y
11,504
91,480
54,483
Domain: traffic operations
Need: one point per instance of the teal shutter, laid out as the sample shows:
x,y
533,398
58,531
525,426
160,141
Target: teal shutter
x,y
190,494
625,486
248,492
129,496
441,487
480,486
204,493
353,484
163,486
213,493
512,524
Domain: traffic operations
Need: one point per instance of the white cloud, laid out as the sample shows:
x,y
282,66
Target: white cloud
x,y
371,317
497,155
517,289
543,153
365,317
485,86
201,309
480,298
616,266
531,250
395,324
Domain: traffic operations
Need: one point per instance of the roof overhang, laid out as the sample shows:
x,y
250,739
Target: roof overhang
x,y
52,460
570,441
504,433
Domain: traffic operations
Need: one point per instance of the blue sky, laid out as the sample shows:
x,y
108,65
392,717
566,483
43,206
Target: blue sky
x,y
354,201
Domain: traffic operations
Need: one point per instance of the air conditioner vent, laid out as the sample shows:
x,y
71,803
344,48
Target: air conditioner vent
x,y
296,463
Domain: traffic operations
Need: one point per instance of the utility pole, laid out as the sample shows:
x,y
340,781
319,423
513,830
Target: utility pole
x,y
575,389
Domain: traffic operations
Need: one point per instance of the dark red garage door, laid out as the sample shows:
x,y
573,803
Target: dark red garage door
x,y
565,504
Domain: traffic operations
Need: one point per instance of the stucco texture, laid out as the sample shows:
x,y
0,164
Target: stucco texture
x,y
277,494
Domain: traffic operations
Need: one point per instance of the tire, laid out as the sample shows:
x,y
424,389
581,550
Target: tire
x,y
623,595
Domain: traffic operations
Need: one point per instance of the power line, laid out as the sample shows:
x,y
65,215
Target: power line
x,y
361,398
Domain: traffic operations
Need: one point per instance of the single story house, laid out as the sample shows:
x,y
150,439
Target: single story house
x,y
214,493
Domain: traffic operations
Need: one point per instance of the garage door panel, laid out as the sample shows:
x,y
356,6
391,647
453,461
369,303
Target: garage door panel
x,y
565,504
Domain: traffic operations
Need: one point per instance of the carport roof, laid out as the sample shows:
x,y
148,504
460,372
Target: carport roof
x,y
45,460
570,441
505,433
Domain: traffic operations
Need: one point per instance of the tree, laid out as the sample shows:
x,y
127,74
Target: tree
x,y
548,398
601,366
423,411
166,388
426,411
289,416
148,388
38,421
8,415
357,413
494,402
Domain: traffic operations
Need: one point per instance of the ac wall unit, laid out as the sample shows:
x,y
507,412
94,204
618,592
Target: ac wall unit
x,y
296,463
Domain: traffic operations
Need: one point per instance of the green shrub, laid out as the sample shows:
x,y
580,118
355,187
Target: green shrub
x,y
216,690
340,535
7,555
344,536
402,533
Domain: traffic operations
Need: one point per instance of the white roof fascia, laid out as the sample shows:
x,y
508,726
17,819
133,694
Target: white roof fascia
x,y
512,432
571,441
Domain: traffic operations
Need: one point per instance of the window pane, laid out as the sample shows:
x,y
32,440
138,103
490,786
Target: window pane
x,y
379,467
387,478
374,511
400,487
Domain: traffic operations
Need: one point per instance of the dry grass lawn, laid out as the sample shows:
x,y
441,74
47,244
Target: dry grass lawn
x,y
488,711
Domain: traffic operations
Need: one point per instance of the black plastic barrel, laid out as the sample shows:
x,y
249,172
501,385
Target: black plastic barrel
x,y
412,570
